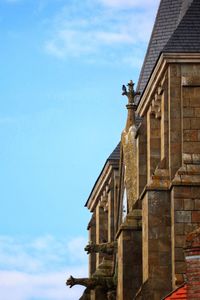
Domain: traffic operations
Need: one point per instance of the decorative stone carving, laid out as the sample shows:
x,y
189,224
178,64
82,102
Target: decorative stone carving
x,y
87,282
160,88
129,147
131,106
106,248
130,93
104,201
156,106
105,282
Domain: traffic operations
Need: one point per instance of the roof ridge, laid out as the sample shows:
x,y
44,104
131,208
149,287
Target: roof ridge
x,y
184,8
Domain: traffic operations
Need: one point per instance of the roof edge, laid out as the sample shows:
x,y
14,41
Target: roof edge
x,y
103,177
164,59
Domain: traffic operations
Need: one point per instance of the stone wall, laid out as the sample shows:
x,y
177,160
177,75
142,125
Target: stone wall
x,y
157,243
185,218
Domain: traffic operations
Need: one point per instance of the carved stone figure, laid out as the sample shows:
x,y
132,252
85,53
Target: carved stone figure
x,y
105,282
106,248
87,282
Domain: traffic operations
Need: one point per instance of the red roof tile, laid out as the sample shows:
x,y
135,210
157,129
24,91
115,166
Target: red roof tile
x,y
178,294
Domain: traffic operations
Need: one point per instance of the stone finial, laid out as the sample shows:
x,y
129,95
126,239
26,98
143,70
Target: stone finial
x,y
131,106
130,93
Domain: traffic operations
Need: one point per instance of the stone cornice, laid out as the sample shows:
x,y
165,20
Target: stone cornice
x,y
100,184
159,70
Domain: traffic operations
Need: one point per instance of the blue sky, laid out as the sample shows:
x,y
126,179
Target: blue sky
x,y
61,114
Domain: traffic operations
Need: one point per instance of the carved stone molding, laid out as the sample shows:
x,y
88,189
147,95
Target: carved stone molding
x,y
104,201
156,106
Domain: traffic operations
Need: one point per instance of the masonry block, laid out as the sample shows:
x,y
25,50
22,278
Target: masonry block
x,y
183,216
196,217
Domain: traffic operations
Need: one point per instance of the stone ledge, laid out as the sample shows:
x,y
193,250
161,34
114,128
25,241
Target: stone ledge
x,y
133,222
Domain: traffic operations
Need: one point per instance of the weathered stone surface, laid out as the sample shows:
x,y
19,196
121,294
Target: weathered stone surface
x,y
156,241
197,204
188,204
183,216
129,146
129,257
196,217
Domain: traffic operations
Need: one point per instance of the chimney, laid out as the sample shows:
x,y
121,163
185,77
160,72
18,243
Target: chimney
x,y
192,257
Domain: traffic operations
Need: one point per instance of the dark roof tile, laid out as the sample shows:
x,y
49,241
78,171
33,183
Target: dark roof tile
x,y
186,38
115,155
169,15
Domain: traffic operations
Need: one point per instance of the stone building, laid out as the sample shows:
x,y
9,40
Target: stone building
x,y
146,200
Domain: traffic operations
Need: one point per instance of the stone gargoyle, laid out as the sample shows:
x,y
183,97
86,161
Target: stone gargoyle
x,y
106,283
105,248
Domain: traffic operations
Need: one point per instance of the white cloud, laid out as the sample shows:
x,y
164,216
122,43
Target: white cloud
x,y
75,249
95,31
48,286
36,269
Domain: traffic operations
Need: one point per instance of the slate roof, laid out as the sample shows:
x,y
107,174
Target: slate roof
x,y
115,155
113,158
186,38
166,34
